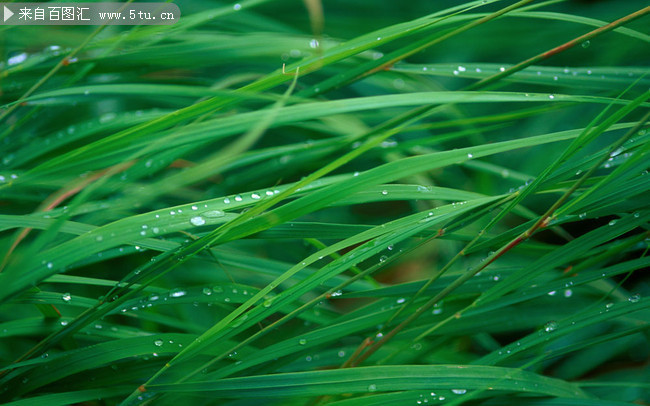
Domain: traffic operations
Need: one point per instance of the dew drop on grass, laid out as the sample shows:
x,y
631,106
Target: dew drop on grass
x,y
582,215
302,341
550,96
207,291
384,192
341,354
313,44
213,213
552,293
177,293
611,223
226,200
400,300
197,221
383,258
66,297
634,298
158,343
50,265
568,293
470,156
459,391
586,44
16,59
372,387
236,7
255,196
437,308
238,198
550,326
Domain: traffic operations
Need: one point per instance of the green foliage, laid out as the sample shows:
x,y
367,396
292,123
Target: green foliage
x,y
364,203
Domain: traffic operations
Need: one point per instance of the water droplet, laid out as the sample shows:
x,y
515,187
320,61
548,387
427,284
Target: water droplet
x,y
459,391
66,297
207,291
461,69
568,293
470,156
302,341
586,44
502,69
609,305
552,293
383,258
611,223
401,300
341,354
213,213
550,96
634,298
99,238
372,387
197,221
390,247
50,265
16,59
550,326
236,7
437,308
255,196
384,192
582,215
177,293
238,198
158,343
313,44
